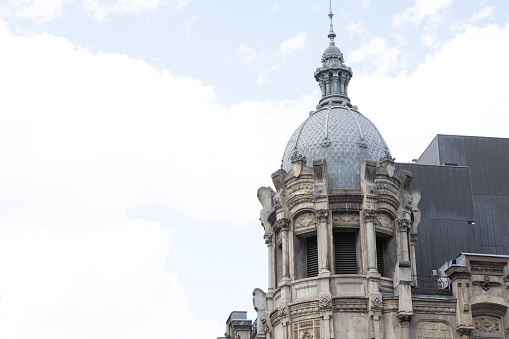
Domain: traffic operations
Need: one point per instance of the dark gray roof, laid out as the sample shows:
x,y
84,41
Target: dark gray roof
x,y
341,135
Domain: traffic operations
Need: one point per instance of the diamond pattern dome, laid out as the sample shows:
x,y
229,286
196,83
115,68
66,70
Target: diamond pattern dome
x,y
344,137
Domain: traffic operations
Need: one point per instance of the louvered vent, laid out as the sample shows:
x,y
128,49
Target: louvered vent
x,y
345,256
312,256
380,255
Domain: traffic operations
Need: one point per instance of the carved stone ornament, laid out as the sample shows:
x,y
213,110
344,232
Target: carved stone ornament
x,y
486,283
301,187
385,222
369,214
282,224
268,239
481,267
464,333
307,329
487,325
414,237
387,157
282,311
345,219
325,143
266,328
376,303
325,301
323,215
404,319
306,221
433,329
404,225
277,203
297,157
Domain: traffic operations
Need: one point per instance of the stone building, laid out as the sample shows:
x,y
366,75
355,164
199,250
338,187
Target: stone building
x,y
341,227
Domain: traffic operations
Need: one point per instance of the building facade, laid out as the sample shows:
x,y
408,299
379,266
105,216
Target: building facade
x,y
342,226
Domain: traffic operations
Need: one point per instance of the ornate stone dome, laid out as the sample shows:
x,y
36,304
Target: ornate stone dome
x,y
341,135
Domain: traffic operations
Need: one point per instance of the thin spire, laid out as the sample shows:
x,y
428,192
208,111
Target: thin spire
x,y
331,35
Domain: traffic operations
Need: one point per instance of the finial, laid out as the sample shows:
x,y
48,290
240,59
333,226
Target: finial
x,y
331,35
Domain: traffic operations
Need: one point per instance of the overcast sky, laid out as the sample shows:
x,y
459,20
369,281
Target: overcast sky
x,y
134,135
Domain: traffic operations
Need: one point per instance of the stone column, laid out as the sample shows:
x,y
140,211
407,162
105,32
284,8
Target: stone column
x,y
284,225
413,239
270,254
404,320
323,241
342,85
404,227
369,218
322,87
327,87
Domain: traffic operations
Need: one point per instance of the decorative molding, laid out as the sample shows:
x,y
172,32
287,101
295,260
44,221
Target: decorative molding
x,y
482,267
433,329
435,310
303,311
295,202
487,324
347,219
301,187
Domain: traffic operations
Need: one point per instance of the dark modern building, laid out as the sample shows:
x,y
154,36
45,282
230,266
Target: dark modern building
x,y
465,200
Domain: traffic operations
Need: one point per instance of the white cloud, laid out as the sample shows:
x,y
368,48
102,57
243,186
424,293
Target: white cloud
x,y
101,9
381,57
443,95
365,3
429,39
354,28
247,54
420,10
275,8
85,137
39,11
289,46
485,12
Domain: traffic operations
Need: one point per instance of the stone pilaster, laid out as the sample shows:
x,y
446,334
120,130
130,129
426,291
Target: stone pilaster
x,y
323,241
369,220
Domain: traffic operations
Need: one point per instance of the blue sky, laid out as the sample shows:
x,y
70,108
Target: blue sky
x,y
134,135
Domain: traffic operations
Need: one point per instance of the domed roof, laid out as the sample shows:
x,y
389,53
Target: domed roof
x,y
332,52
341,135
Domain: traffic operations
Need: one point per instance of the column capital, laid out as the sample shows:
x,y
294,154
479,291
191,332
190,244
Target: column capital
x,y
414,237
404,225
282,224
464,331
268,239
369,214
322,215
404,319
